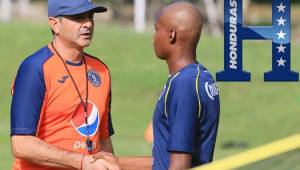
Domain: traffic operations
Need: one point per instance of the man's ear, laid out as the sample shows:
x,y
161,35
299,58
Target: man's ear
x,y
54,23
172,36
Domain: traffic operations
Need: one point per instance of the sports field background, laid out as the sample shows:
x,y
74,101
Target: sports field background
x,y
252,113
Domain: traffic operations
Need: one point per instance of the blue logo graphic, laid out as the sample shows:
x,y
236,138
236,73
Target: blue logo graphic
x,y
279,33
63,79
94,78
211,90
78,120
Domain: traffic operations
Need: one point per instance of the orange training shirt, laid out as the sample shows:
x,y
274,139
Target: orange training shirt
x,y
46,105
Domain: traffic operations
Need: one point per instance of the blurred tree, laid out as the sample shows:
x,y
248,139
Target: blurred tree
x,y
24,7
213,18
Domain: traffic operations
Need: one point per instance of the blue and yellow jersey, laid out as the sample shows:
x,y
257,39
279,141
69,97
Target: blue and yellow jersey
x,y
45,103
186,117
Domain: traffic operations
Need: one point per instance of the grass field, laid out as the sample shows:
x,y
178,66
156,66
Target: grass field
x,y
252,113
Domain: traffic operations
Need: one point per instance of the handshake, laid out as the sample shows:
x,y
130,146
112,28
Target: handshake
x,y
99,161
107,161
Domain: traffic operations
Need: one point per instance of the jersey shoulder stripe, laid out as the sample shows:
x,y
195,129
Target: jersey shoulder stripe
x,y
29,90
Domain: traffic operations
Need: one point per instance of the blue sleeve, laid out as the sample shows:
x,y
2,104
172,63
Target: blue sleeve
x,y
28,97
183,108
110,125
209,119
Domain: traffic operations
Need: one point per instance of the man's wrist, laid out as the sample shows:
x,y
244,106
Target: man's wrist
x,y
81,162
86,160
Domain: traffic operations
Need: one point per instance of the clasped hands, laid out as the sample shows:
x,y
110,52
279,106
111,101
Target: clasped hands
x,y
100,161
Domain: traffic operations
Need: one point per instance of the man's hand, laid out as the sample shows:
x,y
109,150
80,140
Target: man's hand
x,y
100,161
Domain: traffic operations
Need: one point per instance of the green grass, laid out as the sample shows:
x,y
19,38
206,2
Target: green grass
x,y
288,161
254,113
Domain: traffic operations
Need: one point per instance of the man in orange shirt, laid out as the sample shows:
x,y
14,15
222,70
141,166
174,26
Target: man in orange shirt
x,y
60,111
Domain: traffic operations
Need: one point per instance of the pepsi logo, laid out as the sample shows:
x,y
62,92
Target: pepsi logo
x,y
78,120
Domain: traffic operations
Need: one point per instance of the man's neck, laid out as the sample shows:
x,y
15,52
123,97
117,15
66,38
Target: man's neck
x,y
178,61
68,52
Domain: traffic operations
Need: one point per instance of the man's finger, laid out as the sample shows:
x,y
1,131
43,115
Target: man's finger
x,y
108,165
106,156
95,157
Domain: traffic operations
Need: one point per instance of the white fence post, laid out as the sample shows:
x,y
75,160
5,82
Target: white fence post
x,y
5,11
140,15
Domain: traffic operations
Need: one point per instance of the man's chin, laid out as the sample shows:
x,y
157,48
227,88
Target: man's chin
x,y
160,57
84,44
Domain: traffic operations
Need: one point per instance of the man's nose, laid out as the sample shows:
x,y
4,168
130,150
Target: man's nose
x,y
88,23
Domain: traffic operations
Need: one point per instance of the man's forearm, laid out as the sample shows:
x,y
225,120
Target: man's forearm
x,y
38,151
135,163
180,161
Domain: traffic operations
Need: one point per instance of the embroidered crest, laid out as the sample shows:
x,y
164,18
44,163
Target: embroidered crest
x,y
94,78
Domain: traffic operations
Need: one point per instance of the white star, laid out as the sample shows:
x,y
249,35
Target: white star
x,y
281,21
281,62
281,34
281,7
281,48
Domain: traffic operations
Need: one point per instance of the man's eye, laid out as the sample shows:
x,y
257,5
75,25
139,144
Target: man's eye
x,y
78,17
91,17
81,17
